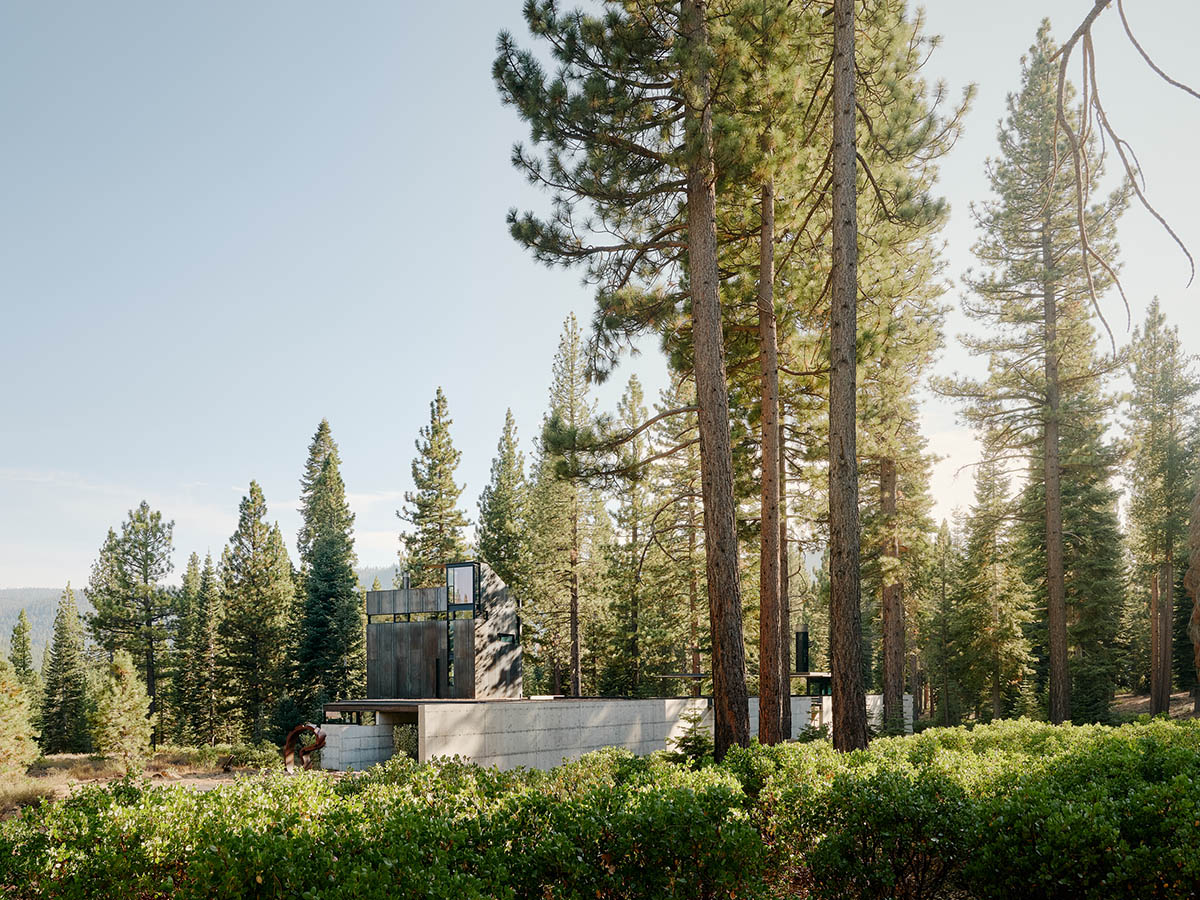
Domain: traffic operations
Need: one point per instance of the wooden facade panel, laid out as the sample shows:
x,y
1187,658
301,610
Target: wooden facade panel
x,y
464,659
402,602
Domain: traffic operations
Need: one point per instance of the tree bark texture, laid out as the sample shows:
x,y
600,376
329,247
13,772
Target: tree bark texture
x,y
731,716
770,695
785,603
1056,597
1161,633
893,603
845,616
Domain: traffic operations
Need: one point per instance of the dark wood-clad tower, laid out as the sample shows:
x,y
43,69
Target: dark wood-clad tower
x,y
460,641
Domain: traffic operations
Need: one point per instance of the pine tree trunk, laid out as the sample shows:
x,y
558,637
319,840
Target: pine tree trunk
x,y
731,718
785,603
845,616
997,698
1056,598
634,653
1160,689
693,592
770,694
893,605
1155,647
576,673
914,668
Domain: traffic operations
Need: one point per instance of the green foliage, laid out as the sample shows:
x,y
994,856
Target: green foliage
x,y
432,510
405,740
502,508
694,745
65,703
121,724
17,745
20,651
133,609
1011,809
257,592
331,655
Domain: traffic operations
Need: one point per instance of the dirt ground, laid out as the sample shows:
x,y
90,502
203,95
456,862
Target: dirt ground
x,y
1182,706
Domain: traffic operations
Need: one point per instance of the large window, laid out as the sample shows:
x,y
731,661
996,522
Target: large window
x,y
462,583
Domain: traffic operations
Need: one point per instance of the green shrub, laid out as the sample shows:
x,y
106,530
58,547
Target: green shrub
x,y
1010,809
405,740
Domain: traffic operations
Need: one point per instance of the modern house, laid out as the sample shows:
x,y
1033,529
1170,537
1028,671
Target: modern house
x,y
461,640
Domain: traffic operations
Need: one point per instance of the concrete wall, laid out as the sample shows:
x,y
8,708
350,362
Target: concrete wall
x,y
541,734
355,747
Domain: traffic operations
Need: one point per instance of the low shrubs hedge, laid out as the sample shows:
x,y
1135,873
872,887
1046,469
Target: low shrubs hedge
x,y
1012,809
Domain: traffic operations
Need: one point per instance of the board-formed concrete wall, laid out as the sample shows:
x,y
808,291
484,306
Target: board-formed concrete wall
x,y
355,747
541,734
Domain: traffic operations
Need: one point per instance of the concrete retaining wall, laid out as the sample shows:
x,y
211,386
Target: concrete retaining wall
x,y
355,747
541,734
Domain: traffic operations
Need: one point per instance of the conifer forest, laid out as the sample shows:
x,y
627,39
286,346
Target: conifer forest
x,y
752,189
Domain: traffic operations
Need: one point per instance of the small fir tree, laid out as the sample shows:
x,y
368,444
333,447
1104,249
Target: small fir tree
x,y
121,725
432,509
17,746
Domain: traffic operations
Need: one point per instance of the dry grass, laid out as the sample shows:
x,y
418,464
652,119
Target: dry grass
x,y
22,792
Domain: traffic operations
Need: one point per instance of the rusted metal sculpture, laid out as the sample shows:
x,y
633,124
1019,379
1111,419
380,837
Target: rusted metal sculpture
x,y
292,746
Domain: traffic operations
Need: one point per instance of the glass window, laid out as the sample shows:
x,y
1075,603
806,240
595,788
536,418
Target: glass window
x,y
461,581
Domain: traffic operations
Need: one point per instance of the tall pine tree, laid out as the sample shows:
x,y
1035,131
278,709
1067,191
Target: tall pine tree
x,y
65,704
258,596
18,748
134,610
331,657
1034,297
502,507
432,509
1166,439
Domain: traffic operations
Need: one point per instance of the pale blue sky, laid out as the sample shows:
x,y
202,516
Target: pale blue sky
x,y
220,222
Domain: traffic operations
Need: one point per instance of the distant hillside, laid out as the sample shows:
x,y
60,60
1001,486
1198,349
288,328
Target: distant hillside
x,y
368,574
39,605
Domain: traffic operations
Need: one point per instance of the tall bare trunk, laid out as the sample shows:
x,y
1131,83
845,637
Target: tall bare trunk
x,y
785,603
731,717
576,679
770,695
1056,595
693,591
845,616
1161,633
893,604
914,669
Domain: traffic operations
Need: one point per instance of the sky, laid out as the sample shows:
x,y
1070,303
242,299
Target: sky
x,y
221,222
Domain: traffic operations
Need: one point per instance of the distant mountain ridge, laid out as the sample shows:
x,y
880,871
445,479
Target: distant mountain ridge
x,y
40,605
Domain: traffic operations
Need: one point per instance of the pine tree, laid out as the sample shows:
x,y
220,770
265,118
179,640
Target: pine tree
x,y
204,704
568,524
629,553
65,706
257,593
626,126
121,723
942,639
18,747
993,603
1034,297
320,448
1166,440
182,678
432,509
20,651
134,611
1192,583
331,657
502,508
